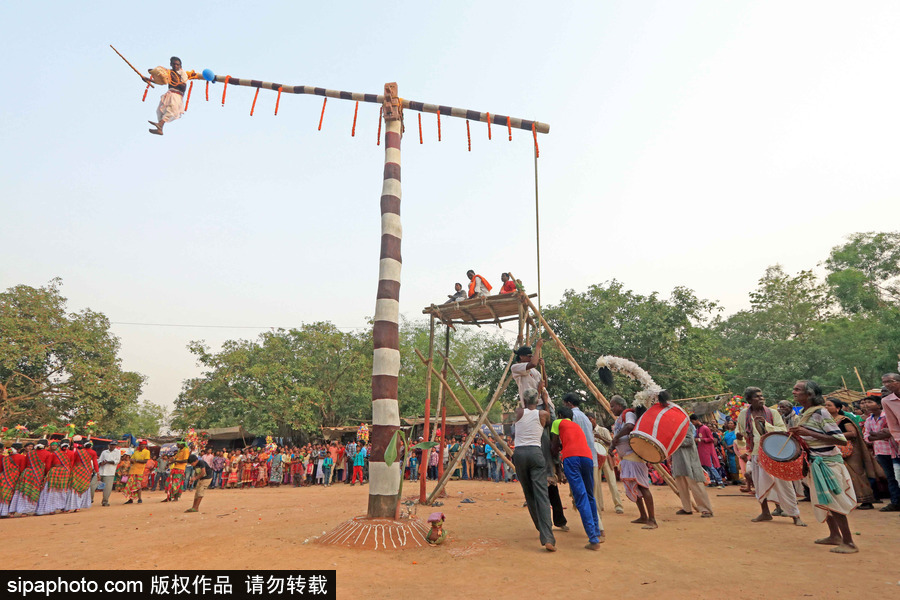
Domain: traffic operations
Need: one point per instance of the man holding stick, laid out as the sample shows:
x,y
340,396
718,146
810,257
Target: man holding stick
x,y
171,104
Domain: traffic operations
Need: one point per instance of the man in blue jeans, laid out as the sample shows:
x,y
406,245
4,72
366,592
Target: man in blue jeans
x,y
578,465
876,432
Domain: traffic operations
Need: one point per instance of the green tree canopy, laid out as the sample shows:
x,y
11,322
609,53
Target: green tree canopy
x,y
59,367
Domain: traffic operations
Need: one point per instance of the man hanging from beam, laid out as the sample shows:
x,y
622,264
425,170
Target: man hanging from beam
x,y
171,105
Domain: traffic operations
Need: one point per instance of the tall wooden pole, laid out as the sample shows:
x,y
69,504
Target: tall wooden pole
x,y
384,481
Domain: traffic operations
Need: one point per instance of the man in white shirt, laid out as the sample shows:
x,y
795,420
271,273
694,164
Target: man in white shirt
x,y
527,375
108,461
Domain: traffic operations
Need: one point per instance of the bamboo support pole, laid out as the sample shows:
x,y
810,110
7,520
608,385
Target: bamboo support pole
x,y
501,387
861,385
494,444
477,404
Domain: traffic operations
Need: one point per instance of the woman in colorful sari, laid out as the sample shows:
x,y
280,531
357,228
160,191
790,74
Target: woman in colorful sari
x,y
829,481
122,473
31,479
56,482
859,463
276,468
11,466
287,463
83,470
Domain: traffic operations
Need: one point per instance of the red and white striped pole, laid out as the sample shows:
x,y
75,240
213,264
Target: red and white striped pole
x,y
384,481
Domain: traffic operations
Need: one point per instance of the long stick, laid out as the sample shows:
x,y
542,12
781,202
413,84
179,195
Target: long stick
x,y
855,370
141,75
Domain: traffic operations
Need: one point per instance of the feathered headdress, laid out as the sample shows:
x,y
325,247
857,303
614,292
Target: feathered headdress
x,y
648,396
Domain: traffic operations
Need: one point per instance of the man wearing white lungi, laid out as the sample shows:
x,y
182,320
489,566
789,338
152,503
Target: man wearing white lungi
x,y
753,423
171,105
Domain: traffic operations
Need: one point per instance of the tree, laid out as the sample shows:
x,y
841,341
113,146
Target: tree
x,y
144,419
285,382
864,273
669,338
776,341
59,367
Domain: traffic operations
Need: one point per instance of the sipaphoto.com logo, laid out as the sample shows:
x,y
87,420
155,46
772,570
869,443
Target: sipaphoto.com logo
x,y
46,587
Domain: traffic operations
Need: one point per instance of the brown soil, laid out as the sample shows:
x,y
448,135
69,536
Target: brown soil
x,y
493,548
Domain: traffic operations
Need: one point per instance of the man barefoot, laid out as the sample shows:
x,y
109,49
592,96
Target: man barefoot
x,y
754,422
634,471
171,105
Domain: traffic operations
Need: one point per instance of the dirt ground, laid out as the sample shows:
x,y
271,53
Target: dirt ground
x,y
493,548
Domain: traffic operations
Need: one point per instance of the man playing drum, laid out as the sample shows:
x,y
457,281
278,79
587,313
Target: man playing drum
x,y
753,423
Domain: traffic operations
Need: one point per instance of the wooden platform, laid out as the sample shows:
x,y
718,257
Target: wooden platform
x,y
475,311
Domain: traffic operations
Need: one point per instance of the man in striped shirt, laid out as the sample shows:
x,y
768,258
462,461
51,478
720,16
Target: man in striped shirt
x,y
885,449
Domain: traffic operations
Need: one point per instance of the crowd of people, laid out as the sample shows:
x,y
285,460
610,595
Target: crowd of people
x,y
49,477
850,453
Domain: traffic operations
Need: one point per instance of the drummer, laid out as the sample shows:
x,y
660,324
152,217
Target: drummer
x,y
634,471
828,480
754,422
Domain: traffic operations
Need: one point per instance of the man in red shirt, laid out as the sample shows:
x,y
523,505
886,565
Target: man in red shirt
x,y
578,465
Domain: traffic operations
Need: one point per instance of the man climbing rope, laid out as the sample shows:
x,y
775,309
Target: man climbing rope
x,y
171,105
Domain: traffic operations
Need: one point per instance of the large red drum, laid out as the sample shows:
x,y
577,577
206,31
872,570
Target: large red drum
x,y
659,432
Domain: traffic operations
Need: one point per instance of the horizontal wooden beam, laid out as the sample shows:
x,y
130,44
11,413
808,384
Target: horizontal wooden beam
x,y
447,111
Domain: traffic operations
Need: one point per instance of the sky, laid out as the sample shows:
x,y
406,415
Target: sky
x,y
692,143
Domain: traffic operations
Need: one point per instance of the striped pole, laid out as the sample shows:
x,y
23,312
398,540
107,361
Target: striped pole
x,y
447,111
384,481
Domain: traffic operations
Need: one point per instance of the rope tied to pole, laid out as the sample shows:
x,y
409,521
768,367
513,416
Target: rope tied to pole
x,y
146,89
355,112
278,100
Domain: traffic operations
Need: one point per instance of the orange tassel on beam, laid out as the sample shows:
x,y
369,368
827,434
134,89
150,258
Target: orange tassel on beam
x,y
225,88
278,100
509,127
439,125
188,99
322,116
207,91
253,106
355,111
420,128
489,125
537,151
468,135
146,89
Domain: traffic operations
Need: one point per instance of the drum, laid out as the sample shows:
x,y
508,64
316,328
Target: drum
x,y
601,454
659,432
781,456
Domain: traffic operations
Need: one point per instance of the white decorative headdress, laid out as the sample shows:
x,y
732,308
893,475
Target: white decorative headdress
x,y
649,394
